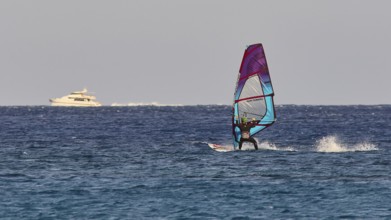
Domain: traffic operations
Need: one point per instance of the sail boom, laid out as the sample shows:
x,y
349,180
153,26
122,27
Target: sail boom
x,y
253,97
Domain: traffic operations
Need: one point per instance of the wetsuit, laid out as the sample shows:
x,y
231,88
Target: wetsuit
x,y
245,131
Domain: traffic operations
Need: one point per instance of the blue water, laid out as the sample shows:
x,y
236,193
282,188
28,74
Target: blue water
x,y
315,162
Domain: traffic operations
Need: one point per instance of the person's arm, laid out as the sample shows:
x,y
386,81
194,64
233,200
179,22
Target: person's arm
x,y
254,123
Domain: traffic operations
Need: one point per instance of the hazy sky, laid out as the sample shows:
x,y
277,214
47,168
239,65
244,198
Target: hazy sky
x,y
189,52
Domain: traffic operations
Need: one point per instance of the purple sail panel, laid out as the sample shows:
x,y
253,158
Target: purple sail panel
x,y
254,92
254,62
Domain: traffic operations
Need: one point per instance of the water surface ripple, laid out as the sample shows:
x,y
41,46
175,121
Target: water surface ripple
x,y
148,162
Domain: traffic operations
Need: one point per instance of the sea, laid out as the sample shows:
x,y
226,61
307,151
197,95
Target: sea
x,y
154,162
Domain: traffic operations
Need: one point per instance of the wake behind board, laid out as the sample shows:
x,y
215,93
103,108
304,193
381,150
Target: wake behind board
x,y
221,148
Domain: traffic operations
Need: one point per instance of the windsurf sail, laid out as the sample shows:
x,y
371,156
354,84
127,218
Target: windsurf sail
x,y
254,93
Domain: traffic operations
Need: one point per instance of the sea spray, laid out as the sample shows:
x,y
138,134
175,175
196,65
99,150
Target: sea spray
x,y
331,144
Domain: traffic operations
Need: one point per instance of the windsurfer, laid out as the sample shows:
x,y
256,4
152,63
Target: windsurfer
x,y
245,127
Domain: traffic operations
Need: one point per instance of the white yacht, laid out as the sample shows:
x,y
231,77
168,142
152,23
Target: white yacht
x,y
77,98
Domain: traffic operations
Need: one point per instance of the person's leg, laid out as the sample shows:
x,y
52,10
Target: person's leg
x,y
254,142
240,143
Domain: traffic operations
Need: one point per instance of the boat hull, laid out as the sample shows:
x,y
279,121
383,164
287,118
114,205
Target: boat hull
x,y
75,104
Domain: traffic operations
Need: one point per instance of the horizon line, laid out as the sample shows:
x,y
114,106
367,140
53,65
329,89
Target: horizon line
x,y
183,105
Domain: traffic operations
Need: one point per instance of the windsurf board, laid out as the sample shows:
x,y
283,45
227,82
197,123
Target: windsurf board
x,y
221,148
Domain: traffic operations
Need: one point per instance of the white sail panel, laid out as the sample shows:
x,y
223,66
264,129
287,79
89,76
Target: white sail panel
x,y
251,88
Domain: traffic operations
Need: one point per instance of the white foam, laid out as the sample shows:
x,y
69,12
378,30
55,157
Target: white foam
x,y
270,146
332,144
265,145
144,104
